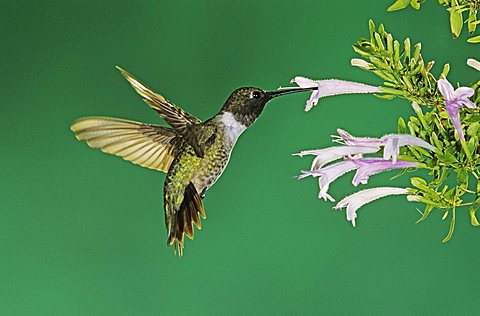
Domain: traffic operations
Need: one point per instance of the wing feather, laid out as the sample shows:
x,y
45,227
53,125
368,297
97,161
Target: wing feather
x,y
147,145
188,126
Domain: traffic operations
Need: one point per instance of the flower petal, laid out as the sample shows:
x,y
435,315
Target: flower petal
x,y
359,141
355,201
330,154
452,110
372,166
304,82
463,93
468,103
408,140
392,148
312,101
446,89
330,174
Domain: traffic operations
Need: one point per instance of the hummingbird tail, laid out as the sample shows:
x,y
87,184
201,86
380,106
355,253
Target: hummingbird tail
x,y
188,214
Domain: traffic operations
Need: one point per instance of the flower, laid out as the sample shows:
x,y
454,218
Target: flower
x,y
473,63
355,201
454,101
328,175
331,87
366,168
370,166
392,143
330,154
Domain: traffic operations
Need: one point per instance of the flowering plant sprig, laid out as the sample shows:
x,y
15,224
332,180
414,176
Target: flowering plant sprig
x,y
442,137
458,9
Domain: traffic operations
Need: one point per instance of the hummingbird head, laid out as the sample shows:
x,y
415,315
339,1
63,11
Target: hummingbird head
x,y
247,103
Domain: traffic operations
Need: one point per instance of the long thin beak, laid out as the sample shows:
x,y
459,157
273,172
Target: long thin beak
x,y
274,94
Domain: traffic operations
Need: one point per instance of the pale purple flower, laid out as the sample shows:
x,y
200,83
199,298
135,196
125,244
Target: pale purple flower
x,y
392,143
473,63
366,168
328,175
355,201
454,101
370,166
330,154
331,87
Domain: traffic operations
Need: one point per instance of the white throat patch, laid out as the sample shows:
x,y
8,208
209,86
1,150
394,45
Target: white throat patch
x,y
233,128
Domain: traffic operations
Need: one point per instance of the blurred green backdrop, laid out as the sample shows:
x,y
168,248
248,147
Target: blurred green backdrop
x,y
83,232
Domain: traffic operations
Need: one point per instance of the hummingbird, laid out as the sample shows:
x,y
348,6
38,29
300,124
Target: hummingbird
x,y
192,153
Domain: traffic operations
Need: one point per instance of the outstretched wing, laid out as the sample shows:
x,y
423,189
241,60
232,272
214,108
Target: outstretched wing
x,y
188,126
147,145
175,116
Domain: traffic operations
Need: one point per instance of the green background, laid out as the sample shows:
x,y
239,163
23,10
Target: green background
x,y
82,231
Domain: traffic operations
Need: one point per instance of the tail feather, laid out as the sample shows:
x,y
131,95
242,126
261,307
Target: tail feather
x,y
183,219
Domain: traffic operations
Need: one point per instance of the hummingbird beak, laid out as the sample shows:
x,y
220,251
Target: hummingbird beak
x,y
274,94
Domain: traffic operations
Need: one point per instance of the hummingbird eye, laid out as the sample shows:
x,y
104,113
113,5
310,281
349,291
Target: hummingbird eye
x,y
256,94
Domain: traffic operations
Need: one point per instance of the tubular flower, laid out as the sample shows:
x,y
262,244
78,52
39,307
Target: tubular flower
x,y
392,143
328,175
454,101
355,201
370,166
330,154
366,167
331,87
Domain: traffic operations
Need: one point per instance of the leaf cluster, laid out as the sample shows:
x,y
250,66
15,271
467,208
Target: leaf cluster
x,y
461,12
406,75
402,67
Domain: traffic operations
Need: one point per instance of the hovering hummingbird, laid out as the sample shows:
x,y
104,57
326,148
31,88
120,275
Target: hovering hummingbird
x,y
192,154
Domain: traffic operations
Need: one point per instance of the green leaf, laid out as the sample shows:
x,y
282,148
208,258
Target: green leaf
x,y
398,5
472,19
415,4
475,39
452,227
472,129
456,21
445,70
428,209
384,96
462,177
472,144
406,49
401,126
473,218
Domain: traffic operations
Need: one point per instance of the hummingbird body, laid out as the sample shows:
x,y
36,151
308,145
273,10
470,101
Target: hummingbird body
x,y
192,153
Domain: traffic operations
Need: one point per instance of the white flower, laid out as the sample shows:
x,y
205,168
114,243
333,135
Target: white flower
x,y
330,154
355,201
392,143
331,87
328,175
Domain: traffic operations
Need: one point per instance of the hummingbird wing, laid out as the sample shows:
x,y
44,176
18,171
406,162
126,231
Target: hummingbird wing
x,y
188,126
179,220
147,145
